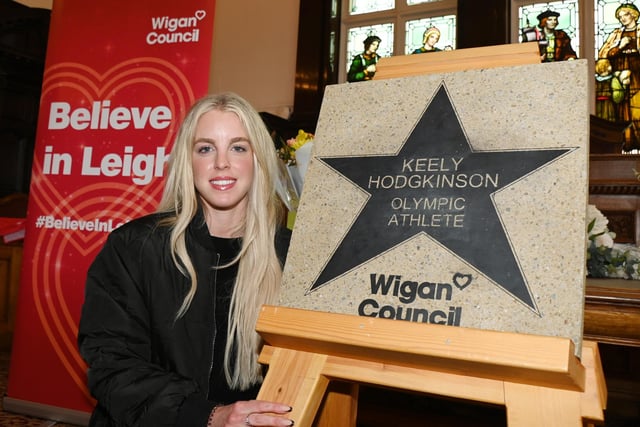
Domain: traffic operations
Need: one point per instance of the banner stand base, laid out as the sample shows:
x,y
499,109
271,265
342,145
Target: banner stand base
x,y
46,412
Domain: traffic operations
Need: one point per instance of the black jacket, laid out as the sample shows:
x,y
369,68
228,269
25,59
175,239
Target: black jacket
x,y
145,367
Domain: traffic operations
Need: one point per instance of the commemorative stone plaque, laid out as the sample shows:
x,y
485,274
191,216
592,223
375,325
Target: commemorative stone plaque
x,y
455,199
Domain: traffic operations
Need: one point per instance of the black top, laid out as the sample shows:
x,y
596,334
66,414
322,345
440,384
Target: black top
x,y
147,368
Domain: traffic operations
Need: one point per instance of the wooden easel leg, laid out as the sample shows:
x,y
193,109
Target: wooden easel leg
x,y
340,406
295,378
594,398
530,406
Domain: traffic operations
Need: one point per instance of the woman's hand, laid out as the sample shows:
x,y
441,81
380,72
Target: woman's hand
x,y
252,413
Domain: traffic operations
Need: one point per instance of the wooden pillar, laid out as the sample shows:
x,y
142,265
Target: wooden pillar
x,y
317,58
482,23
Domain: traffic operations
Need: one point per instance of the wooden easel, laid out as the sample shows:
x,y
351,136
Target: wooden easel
x,y
538,379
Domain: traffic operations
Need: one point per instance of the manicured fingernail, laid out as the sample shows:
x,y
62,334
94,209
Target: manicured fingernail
x,y
292,423
290,409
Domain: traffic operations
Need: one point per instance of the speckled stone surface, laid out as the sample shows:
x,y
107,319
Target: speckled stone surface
x,y
523,108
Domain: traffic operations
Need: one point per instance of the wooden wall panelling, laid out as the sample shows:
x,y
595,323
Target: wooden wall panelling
x,y
612,311
615,190
612,306
10,265
317,59
622,211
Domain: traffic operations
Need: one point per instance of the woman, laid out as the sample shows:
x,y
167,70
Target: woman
x,y
430,37
171,301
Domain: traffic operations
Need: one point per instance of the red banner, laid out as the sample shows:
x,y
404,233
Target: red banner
x,y
119,76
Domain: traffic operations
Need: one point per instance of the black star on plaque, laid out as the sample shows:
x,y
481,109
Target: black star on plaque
x,y
437,185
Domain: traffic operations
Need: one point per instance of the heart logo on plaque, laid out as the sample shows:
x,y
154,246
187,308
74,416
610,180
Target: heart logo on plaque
x,y
462,280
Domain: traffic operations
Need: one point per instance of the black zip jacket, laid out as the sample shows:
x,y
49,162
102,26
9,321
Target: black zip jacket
x,y
145,367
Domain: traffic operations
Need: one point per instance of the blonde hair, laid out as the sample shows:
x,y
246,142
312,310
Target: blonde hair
x,y
428,32
630,8
602,66
259,269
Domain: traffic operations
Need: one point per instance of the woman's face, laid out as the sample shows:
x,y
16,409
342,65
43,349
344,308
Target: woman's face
x,y
433,39
626,17
222,160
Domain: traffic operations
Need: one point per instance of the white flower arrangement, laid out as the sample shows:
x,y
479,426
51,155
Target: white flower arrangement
x,y
605,258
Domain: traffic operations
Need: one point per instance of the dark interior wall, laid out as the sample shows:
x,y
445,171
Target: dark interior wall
x,y
482,23
23,41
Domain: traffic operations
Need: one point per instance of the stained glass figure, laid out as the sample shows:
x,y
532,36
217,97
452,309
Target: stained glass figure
x,y
618,97
363,65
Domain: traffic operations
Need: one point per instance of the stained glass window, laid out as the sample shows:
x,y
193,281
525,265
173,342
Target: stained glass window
x,y
416,28
605,21
567,21
614,62
356,37
365,6
399,24
617,68
598,14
